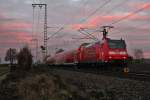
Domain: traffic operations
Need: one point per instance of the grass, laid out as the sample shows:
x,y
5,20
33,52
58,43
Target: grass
x,y
4,68
34,86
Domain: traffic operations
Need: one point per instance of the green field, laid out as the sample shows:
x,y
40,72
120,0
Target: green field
x,y
4,68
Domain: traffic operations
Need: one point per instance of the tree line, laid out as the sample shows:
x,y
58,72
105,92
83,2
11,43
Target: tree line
x,y
23,57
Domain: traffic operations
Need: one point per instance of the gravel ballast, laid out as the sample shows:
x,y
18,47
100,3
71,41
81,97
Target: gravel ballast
x,y
111,87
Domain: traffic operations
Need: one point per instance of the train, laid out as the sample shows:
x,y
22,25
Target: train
x,y
106,51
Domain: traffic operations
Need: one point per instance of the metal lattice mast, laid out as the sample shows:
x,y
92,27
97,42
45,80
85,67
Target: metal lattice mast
x,y
45,31
45,27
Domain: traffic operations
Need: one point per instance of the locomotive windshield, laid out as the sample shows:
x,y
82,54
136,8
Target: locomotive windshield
x,y
116,44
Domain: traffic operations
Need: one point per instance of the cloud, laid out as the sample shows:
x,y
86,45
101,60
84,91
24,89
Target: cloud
x,y
4,18
140,42
146,54
106,20
17,31
14,38
95,21
141,5
16,19
16,26
14,32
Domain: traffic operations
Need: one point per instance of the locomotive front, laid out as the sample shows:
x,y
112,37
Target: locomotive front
x,y
116,51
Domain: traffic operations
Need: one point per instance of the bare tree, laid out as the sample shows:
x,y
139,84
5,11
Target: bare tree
x,y
11,55
25,58
138,53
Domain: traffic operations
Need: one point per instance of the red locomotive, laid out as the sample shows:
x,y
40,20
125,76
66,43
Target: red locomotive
x,y
106,51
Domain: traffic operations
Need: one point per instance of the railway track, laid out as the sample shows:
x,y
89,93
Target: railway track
x,y
139,76
2,75
4,70
142,76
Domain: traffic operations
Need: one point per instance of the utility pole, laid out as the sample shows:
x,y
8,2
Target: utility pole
x,y
45,27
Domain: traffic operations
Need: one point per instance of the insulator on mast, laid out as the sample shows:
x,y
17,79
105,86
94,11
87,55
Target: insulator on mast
x,y
40,6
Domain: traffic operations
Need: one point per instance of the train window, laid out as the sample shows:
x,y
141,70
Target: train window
x,y
116,44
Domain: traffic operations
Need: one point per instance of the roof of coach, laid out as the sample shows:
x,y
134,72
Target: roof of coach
x,y
90,44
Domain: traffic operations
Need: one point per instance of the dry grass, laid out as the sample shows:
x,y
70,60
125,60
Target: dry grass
x,y
37,87
43,85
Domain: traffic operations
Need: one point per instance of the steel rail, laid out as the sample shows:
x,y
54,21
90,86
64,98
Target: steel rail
x,y
141,76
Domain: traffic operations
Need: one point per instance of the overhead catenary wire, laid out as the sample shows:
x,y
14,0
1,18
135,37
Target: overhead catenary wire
x,y
90,15
81,38
95,11
116,6
63,27
90,34
120,31
86,35
125,17
85,5
55,33
131,14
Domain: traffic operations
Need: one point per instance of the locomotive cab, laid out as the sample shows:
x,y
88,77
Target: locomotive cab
x,y
114,51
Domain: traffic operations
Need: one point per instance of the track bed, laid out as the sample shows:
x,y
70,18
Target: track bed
x,y
119,88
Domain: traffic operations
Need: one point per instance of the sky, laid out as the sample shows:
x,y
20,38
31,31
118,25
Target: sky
x,y
20,25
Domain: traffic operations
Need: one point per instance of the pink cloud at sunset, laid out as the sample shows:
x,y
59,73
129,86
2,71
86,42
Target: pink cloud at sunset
x,y
146,54
95,21
140,5
15,34
16,19
142,42
14,30
24,37
16,38
16,26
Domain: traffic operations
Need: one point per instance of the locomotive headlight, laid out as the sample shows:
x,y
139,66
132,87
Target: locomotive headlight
x,y
124,57
123,53
112,52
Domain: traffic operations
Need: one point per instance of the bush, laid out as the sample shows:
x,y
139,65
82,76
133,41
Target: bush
x,y
25,58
